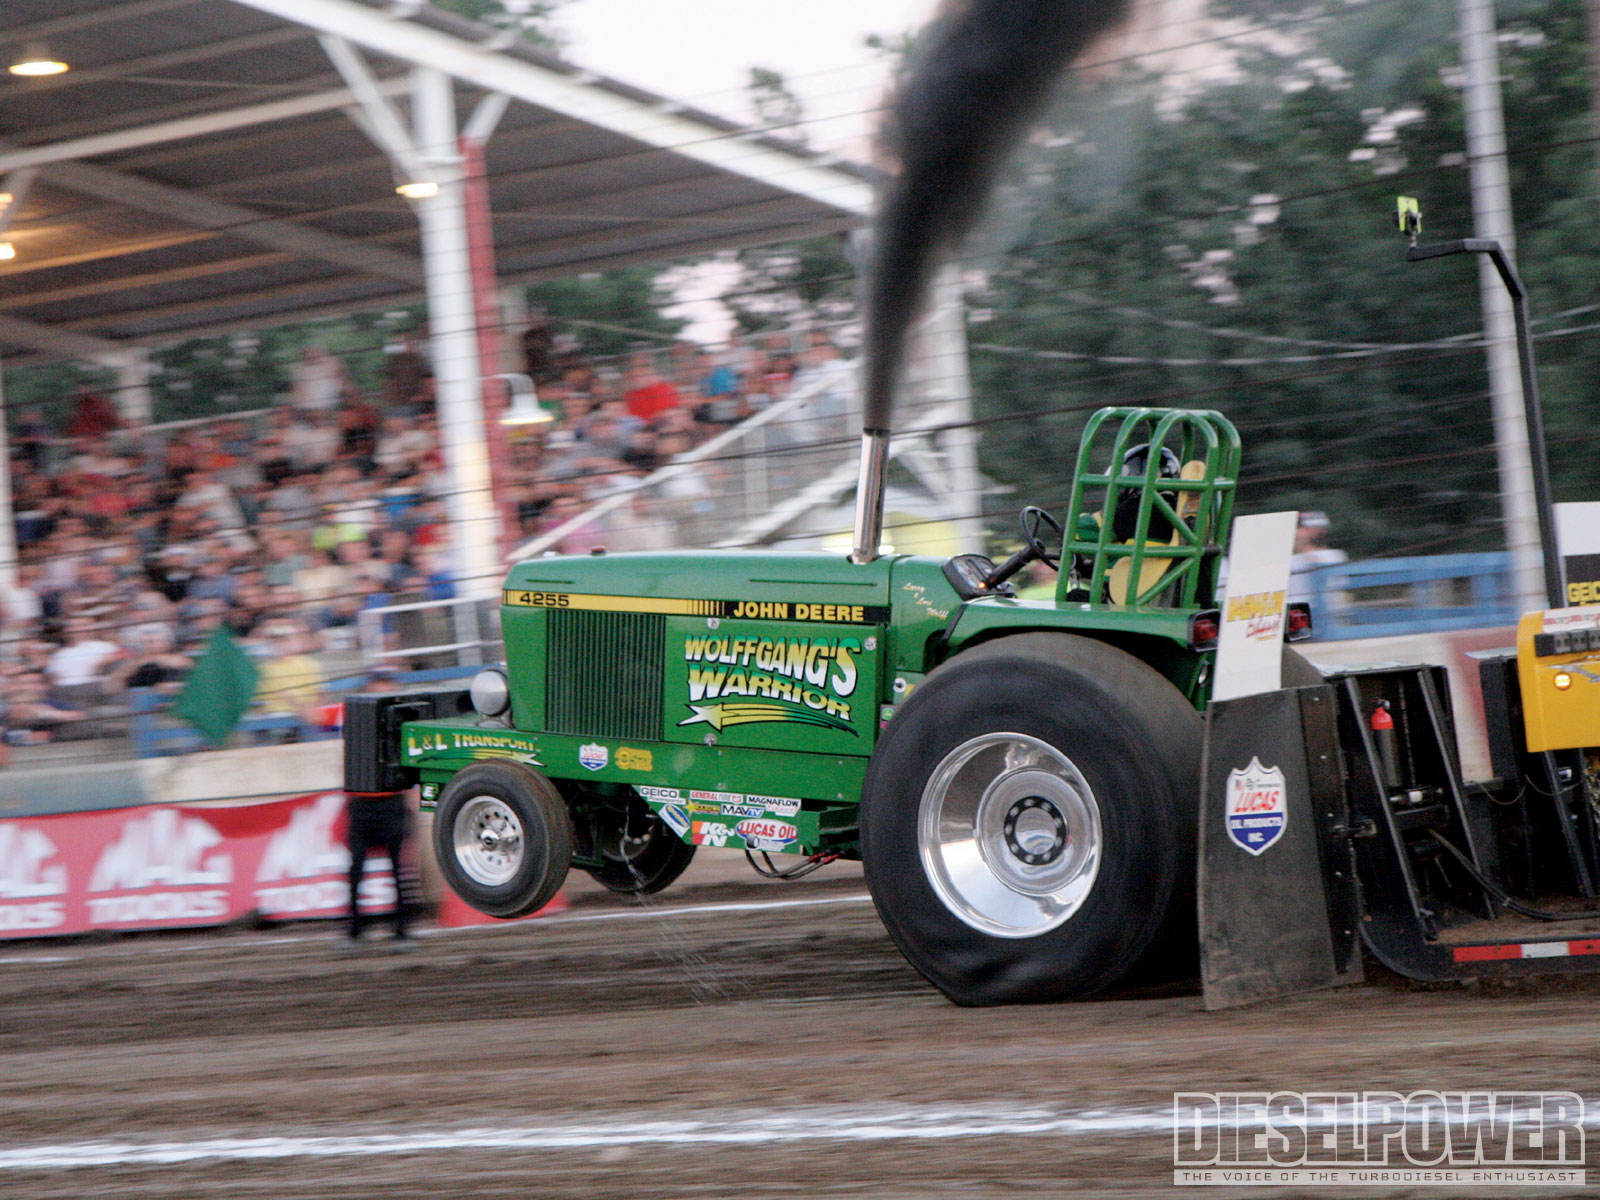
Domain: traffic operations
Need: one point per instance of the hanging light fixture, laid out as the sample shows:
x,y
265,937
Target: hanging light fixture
x,y
524,408
36,60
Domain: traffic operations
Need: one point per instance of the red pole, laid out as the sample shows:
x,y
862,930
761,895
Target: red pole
x,y
486,306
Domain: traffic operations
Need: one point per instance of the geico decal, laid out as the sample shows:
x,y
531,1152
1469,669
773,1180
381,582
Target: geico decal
x,y
23,855
305,847
164,849
47,914
157,906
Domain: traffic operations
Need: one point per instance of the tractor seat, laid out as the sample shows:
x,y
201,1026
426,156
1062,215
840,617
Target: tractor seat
x,y
1153,568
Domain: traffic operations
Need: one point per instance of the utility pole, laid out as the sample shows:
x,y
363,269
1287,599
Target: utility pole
x,y
1492,218
1591,14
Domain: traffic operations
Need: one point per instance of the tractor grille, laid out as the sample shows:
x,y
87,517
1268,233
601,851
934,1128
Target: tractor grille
x,y
603,674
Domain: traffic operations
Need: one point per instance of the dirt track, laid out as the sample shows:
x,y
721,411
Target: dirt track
x,y
735,1018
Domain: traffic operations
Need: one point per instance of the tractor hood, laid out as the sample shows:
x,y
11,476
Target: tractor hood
x,y
806,586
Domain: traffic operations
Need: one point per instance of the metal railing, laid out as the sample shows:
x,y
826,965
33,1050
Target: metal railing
x,y
1389,597
428,634
734,478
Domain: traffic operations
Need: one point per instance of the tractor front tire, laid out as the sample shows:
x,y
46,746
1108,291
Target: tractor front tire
x,y
503,838
1028,817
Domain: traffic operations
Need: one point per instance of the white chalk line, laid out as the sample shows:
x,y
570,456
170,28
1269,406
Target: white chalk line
x,y
877,1124
696,910
566,918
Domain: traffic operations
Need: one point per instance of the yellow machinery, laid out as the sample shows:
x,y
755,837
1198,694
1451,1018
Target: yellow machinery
x,y
1558,668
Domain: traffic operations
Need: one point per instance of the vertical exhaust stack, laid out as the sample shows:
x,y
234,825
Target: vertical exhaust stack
x,y
869,495
982,68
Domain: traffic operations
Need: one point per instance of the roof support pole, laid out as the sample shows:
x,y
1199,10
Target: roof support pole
x,y
941,347
485,307
452,321
134,403
381,32
383,124
8,527
13,191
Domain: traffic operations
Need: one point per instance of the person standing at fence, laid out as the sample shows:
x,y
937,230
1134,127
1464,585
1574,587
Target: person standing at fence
x,y
377,822
1311,555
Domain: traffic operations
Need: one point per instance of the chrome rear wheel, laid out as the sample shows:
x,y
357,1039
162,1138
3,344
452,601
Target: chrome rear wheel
x,y
1009,834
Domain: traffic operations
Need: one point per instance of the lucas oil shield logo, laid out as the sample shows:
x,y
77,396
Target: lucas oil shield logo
x,y
1257,806
750,681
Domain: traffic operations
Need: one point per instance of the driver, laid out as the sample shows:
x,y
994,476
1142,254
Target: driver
x,y
1125,520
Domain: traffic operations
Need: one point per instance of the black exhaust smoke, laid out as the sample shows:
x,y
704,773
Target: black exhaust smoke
x,y
984,67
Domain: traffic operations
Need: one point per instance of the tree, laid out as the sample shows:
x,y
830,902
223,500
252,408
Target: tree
x,y
794,283
528,18
1179,244
776,106
608,313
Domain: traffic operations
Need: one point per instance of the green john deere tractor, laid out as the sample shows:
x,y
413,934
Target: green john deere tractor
x,y
1017,776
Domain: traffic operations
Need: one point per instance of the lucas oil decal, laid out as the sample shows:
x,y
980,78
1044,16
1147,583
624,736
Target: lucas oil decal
x,y
749,681
763,834
1257,806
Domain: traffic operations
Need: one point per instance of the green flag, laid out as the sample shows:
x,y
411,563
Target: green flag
x,y
219,689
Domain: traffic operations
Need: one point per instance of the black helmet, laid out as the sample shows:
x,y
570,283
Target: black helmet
x,y
1137,460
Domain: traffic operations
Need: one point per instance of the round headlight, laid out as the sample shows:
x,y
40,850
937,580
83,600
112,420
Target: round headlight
x,y
491,692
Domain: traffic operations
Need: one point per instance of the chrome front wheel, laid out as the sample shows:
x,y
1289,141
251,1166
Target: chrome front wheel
x,y
489,841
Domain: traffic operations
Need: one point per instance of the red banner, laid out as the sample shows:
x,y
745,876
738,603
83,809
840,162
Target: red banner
x,y
183,865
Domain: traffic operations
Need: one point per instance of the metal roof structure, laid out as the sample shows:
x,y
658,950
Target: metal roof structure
x,y
214,165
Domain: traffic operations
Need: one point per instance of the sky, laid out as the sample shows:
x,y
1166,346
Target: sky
x,y
701,52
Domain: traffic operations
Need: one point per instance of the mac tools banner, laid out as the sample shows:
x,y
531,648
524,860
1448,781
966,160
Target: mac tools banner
x,y
177,866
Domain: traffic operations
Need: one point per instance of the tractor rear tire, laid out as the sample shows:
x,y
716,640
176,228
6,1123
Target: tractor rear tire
x,y
503,838
1028,816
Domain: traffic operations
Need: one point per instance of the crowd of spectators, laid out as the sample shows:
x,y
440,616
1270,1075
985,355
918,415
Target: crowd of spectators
x,y
136,544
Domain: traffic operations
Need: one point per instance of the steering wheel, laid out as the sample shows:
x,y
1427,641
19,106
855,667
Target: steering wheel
x,y
1032,518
